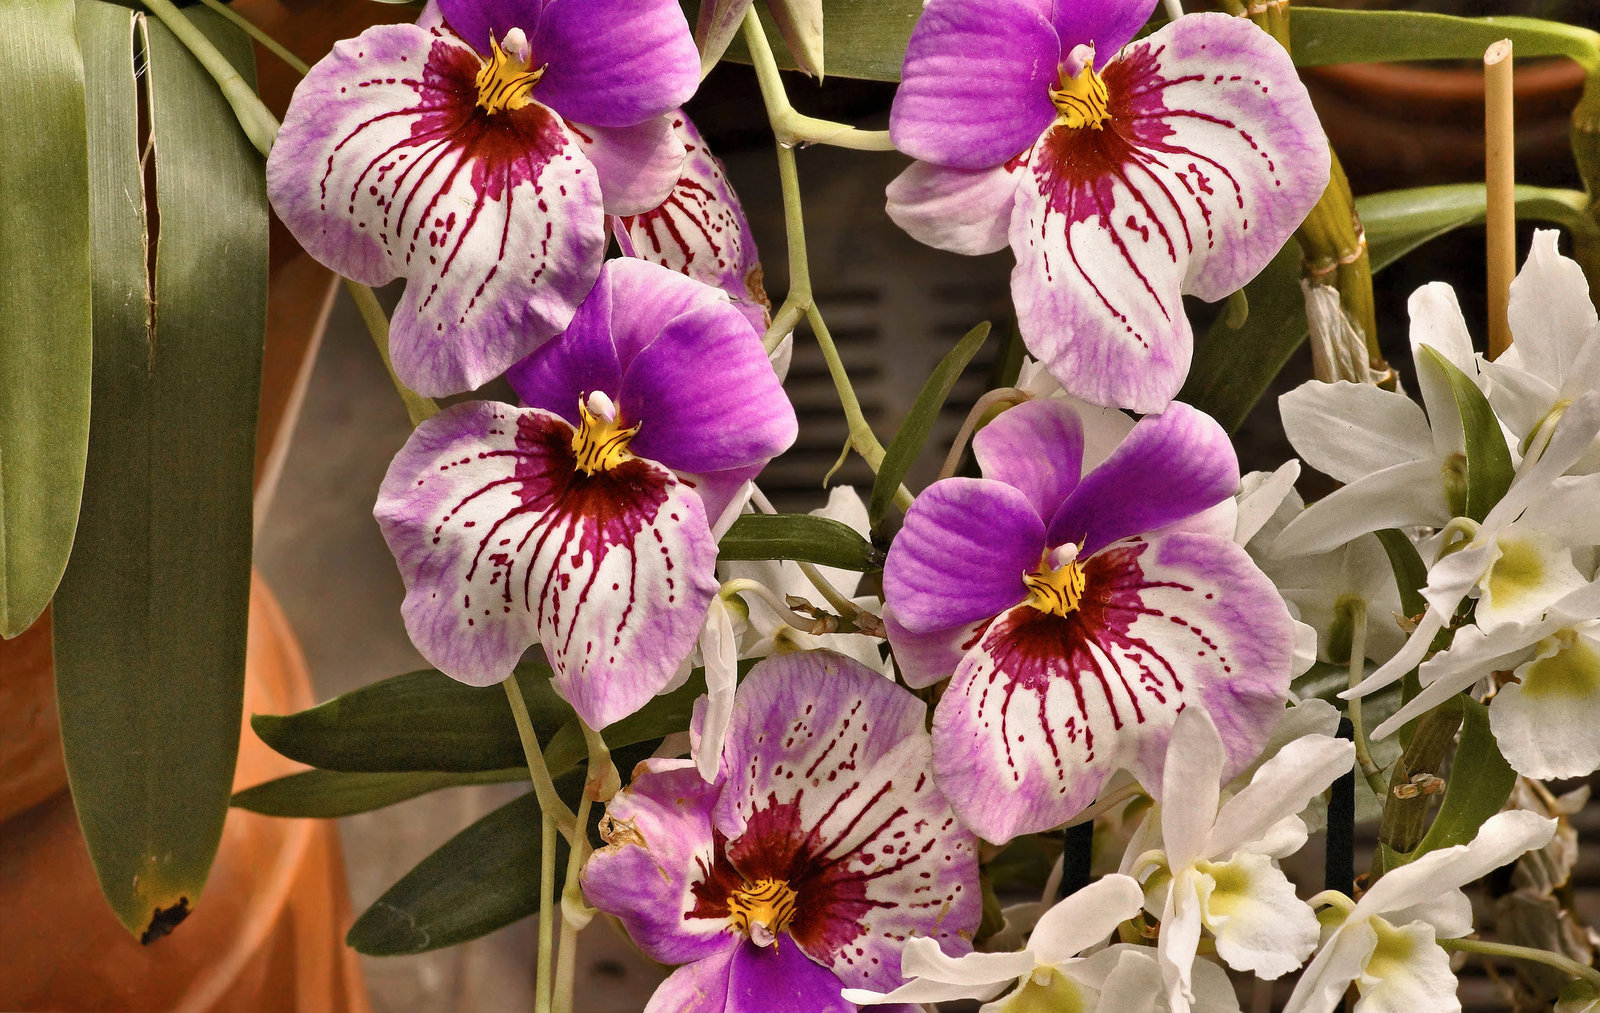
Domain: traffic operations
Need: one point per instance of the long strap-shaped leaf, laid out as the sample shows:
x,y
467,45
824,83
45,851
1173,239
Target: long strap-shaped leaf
x,y
150,618
44,302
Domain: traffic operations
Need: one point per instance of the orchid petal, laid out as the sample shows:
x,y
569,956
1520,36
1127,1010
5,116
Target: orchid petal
x,y
1107,26
1531,571
659,845
1437,323
386,167
701,985
477,21
1112,226
1501,839
699,229
1085,919
1251,908
1260,495
1545,721
1400,496
962,554
1191,779
1550,310
1179,942
501,539
1036,447
1348,431
927,658
1404,660
615,64
1323,984
698,419
1003,54
935,976
1134,981
1450,914
638,164
1282,787
1170,467
964,211
1407,973
781,979
719,651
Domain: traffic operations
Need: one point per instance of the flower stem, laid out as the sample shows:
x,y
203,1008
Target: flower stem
x,y
1528,953
861,435
575,914
257,121
797,128
268,43
418,408
1358,669
543,787
542,983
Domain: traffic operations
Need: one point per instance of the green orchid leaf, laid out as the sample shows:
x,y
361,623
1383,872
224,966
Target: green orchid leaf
x,y
1480,782
420,721
329,794
151,614
482,879
1320,35
1233,367
913,434
1410,573
45,300
800,537
1488,458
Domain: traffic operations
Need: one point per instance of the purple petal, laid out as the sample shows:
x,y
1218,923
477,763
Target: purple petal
x,y
724,494
1211,158
974,89
1108,25
925,658
503,542
964,211
1171,466
476,20
1036,447
638,164
615,63
781,979
599,345
1047,706
962,554
659,849
700,229
386,167
700,987
707,394
829,789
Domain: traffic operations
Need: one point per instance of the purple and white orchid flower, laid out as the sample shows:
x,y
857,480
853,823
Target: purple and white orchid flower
x,y
1079,615
1123,176
820,849
581,522
700,229
477,158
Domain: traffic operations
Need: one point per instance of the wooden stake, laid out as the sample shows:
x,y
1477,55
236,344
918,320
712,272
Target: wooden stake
x,y
1500,175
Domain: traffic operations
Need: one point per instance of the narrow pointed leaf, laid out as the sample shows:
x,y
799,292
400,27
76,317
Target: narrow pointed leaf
x,y
1480,782
1410,573
328,794
150,618
913,434
801,537
1321,36
44,302
1488,458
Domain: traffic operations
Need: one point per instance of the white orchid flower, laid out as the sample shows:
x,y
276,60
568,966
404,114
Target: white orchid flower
x,y
1386,942
1544,720
1519,562
1050,973
1555,355
1398,466
1218,870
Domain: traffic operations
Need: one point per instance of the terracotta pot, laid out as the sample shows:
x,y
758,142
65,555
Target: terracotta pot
x,y
1398,125
267,935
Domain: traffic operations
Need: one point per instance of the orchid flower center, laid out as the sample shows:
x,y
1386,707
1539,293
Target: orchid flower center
x,y
600,442
1082,99
505,84
762,909
1057,585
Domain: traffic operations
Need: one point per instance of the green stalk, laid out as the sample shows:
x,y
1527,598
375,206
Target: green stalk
x,y
549,802
1528,953
257,121
542,983
575,913
1358,668
268,43
418,408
